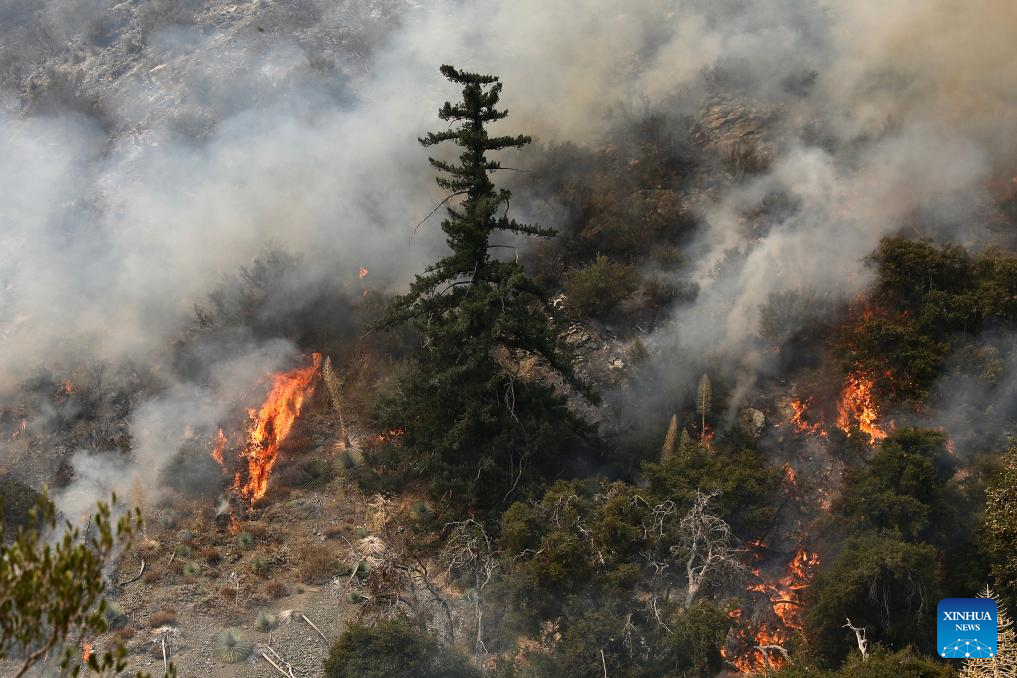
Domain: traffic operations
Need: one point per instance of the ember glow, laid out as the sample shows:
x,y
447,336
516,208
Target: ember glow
x,y
857,407
363,272
271,424
86,652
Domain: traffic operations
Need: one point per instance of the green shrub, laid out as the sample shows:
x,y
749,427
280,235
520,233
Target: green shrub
x,y
394,649
245,540
17,500
597,289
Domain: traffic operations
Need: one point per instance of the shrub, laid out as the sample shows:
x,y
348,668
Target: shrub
x,y
597,289
211,556
151,575
318,564
317,472
192,569
277,589
394,649
17,500
260,566
115,617
232,646
164,617
168,519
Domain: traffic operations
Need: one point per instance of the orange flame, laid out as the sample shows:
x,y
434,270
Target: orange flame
x,y
234,524
271,424
390,434
363,272
858,407
220,447
22,427
67,387
86,652
785,598
798,423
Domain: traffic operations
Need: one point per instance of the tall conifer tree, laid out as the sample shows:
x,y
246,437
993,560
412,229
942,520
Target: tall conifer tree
x,y
480,426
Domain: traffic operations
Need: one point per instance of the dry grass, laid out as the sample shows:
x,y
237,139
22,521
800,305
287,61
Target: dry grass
x,y
211,556
318,563
276,589
152,575
164,617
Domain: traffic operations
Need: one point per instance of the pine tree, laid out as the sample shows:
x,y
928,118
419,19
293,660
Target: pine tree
x,y
1004,664
704,399
667,451
470,414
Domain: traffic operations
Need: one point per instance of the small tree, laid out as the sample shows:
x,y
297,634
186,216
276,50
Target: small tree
x,y
466,406
51,594
394,648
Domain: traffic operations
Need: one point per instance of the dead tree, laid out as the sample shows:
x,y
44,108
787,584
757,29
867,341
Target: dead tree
x,y
863,643
705,546
469,553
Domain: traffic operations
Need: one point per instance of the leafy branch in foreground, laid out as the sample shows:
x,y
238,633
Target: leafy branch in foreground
x,y
51,591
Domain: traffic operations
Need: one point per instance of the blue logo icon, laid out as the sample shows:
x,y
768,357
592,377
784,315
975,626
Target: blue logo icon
x,y
966,628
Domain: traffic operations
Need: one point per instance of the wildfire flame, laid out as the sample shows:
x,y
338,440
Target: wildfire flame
x,y
22,427
86,652
798,423
271,424
389,435
219,447
67,388
234,524
363,272
858,407
785,597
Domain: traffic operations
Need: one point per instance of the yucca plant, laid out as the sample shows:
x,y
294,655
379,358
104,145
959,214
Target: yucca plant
x,y
356,597
192,569
245,540
232,646
363,569
266,622
168,519
260,565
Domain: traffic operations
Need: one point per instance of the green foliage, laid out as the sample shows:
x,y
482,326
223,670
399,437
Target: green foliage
x,y
51,592
1001,525
16,502
635,645
192,569
902,489
879,582
469,418
393,648
597,289
743,478
880,664
926,297
232,646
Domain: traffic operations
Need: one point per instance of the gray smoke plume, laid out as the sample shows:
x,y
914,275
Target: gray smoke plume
x,y
147,150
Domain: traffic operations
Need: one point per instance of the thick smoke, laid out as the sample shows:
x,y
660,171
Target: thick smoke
x,y
147,152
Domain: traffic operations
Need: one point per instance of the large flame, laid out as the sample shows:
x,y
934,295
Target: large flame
x,y
785,598
858,407
271,424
